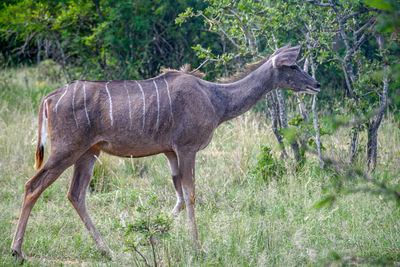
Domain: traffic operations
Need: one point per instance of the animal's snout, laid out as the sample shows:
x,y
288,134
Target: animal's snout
x,y
318,86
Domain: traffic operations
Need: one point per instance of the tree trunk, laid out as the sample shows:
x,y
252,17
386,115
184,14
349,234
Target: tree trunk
x,y
315,119
283,118
316,129
354,144
64,64
273,111
373,127
39,44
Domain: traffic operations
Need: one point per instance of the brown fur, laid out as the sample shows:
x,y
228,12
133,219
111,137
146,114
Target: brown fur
x,y
249,67
186,68
39,157
39,149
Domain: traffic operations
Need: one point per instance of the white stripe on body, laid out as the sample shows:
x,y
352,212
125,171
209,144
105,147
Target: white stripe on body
x,y
109,97
169,98
273,61
144,105
84,102
129,103
44,123
66,90
158,103
73,106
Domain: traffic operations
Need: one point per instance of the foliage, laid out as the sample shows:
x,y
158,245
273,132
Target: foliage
x,y
101,39
267,167
147,229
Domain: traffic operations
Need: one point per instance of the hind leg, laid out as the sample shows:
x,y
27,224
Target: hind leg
x,y
187,172
55,165
83,170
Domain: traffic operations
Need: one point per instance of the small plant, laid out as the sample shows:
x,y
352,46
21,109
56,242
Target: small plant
x,y
267,166
147,229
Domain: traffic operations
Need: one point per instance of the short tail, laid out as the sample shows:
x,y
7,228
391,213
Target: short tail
x,y
42,134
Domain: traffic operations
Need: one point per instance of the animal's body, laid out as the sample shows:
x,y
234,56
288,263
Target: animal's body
x,y
133,118
175,113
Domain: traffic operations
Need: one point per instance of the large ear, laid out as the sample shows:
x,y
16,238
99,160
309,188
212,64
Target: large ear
x,y
279,50
286,57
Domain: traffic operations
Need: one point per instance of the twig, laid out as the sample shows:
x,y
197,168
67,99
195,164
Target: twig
x,y
354,14
362,28
201,65
141,255
246,33
226,35
154,251
317,3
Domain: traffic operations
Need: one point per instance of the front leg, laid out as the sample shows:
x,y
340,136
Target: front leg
x,y
176,178
83,170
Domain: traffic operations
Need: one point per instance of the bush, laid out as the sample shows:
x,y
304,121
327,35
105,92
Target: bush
x,y
267,167
148,228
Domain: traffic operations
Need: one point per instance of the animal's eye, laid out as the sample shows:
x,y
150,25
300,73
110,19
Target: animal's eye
x,y
293,67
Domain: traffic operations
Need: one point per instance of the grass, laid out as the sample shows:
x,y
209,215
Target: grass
x,y
243,220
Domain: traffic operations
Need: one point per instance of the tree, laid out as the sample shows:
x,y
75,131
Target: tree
x,y
362,54
102,39
249,30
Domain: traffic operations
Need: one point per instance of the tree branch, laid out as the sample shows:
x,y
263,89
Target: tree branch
x,y
317,3
349,16
372,20
246,33
226,35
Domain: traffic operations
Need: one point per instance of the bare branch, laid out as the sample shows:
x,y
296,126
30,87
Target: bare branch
x,y
362,28
140,254
317,3
201,65
328,29
212,22
362,38
349,16
246,33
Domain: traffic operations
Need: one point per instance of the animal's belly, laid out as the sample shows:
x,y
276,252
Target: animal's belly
x,y
131,149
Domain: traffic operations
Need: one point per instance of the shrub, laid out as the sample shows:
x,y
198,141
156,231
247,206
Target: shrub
x,y
267,167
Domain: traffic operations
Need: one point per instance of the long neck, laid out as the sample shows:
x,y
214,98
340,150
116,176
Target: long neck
x,y
240,96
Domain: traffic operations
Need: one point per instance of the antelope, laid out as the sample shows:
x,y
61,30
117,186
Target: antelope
x,y
175,113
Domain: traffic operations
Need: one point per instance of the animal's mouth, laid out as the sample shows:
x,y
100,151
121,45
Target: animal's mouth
x,y
312,90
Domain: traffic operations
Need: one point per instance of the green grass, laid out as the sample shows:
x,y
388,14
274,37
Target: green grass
x,y
243,220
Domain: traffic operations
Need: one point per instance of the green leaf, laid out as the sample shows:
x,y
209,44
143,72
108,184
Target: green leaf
x,y
334,255
381,4
327,201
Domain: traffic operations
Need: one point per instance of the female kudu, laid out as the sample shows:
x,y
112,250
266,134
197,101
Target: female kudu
x,y
175,113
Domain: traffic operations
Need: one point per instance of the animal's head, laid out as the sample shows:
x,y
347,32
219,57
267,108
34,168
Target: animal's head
x,y
289,75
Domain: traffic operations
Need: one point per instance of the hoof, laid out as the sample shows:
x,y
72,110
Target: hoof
x,y
201,252
18,255
175,212
199,247
107,253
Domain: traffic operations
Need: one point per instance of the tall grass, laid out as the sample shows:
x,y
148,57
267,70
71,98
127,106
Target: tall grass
x,y
243,220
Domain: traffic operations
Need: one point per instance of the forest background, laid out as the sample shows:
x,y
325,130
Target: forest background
x,y
341,145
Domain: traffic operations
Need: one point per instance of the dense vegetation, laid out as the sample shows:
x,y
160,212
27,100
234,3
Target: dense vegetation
x,y
335,199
